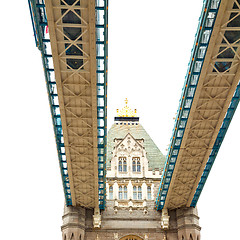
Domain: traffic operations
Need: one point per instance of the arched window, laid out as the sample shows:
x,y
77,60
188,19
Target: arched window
x,y
138,166
149,193
191,238
125,193
124,166
120,165
111,192
120,193
134,192
139,192
134,166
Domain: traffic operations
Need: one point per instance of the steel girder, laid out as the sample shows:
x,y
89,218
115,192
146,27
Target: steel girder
x,y
77,91
209,99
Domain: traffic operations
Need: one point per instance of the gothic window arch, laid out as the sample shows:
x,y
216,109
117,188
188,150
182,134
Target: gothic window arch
x,y
149,193
111,192
125,195
122,164
137,192
136,164
120,192
134,192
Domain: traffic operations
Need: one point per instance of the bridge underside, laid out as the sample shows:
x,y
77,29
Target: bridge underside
x,y
72,35
77,91
208,100
77,94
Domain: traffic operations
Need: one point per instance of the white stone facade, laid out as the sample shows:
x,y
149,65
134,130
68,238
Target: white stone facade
x,y
129,181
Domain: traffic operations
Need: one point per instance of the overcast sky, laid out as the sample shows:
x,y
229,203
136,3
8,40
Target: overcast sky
x,y
149,49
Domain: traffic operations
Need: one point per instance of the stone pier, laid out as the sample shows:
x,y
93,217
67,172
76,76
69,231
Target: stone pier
x,y
130,225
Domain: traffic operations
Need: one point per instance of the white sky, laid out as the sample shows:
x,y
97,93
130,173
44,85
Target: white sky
x,y
149,48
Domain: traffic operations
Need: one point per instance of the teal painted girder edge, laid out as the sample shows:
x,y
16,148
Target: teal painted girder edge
x,y
102,69
221,134
39,28
201,42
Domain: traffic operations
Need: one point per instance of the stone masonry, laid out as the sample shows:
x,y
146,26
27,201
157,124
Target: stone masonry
x,y
134,171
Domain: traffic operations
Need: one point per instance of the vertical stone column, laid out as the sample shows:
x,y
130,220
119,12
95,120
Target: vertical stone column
x,y
73,227
107,190
144,190
130,190
188,224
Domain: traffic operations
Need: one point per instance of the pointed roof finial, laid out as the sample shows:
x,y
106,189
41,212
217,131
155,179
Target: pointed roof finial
x,y
126,111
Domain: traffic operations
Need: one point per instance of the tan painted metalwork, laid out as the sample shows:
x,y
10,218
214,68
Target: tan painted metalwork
x,y
76,85
211,101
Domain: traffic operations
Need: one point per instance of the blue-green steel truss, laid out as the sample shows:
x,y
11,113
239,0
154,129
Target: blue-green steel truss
x,y
222,132
40,25
202,38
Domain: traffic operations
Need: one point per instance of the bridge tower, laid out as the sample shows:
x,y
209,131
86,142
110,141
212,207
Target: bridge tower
x,y
134,171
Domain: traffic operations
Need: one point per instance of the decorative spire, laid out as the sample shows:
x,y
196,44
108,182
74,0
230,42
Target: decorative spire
x,y
126,111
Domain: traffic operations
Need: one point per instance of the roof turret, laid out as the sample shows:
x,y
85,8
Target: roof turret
x,y
128,122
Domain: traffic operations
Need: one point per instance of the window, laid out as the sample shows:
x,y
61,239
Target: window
x,y
111,192
134,192
122,164
149,193
125,193
137,193
120,193
136,164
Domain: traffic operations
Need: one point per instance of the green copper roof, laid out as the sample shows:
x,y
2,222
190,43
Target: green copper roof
x,y
155,157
